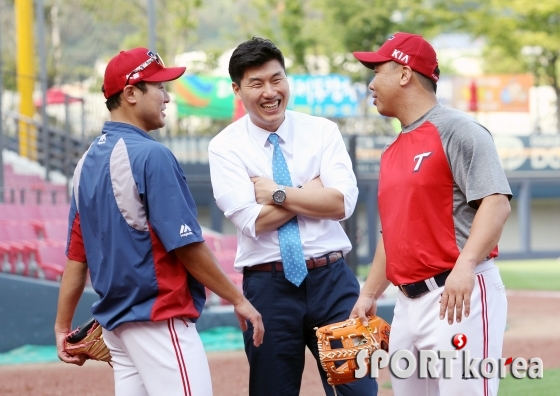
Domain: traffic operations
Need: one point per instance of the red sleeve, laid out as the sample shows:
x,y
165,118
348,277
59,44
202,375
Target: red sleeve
x,y
76,250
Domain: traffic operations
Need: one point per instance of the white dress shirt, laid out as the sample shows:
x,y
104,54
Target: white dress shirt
x,y
312,146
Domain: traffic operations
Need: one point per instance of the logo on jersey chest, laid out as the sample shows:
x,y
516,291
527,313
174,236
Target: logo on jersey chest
x,y
419,159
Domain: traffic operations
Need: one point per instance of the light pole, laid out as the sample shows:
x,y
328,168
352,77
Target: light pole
x,y
151,26
40,11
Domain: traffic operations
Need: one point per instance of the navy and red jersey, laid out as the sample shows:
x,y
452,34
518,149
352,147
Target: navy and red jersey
x,y
131,207
431,177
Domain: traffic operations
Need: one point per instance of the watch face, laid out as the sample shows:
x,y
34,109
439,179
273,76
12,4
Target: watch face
x,y
279,196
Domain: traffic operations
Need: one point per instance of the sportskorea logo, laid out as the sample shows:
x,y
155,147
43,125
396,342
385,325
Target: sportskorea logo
x,y
426,362
185,231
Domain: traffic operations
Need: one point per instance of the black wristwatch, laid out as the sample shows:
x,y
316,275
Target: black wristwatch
x,y
279,195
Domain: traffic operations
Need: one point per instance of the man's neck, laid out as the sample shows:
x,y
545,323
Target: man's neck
x,y
416,108
121,116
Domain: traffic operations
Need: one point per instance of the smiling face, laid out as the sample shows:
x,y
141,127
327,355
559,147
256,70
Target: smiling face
x,y
265,92
151,106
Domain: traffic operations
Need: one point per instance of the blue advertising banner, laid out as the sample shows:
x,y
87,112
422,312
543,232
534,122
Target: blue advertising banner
x,y
332,95
529,153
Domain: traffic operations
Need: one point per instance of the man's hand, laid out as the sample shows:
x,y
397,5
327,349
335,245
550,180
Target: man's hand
x,y
457,292
62,354
263,190
365,306
245,311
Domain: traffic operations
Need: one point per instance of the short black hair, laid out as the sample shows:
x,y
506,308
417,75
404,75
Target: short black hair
x,y
251,53
114,101
427,82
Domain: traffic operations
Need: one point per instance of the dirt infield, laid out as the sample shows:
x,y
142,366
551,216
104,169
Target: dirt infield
x,y
532,330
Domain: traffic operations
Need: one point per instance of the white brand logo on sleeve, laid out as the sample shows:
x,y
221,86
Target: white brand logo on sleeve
x,y
185,231
419,158
102,139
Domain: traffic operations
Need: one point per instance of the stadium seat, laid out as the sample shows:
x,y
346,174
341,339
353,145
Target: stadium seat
x,y
212,242
21,231
54,212
55,229
32,266
10,211
17,251
51,260
226,258
4,211
228,242
5,262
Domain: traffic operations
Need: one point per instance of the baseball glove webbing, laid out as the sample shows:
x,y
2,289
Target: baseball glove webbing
x,y
87,339
340,362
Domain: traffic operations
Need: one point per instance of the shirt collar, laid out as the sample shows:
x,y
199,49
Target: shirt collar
x,y
115,126
421,120
261,135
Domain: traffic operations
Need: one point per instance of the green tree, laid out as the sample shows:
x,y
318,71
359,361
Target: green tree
x,y
526,32
174,21
520,35
288,23
535,38
8,47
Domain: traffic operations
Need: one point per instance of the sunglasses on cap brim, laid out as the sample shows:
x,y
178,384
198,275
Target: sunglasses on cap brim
x,y
153,57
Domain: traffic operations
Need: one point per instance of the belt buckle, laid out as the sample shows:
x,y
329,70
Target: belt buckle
x,y
416,292
403,290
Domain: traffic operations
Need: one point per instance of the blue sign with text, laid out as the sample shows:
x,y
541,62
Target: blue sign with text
x,y
332,95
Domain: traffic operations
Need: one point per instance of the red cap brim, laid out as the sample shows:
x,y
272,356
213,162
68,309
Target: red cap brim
x,y
167,74
370,59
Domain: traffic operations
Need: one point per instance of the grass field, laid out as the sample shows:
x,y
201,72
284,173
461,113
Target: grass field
x,y
546,386
549,385
530,274
542,274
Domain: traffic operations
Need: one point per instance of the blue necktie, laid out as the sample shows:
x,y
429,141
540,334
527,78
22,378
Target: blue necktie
x,y
291,250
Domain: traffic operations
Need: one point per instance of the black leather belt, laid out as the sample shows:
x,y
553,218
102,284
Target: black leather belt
x,y
311,263
415,290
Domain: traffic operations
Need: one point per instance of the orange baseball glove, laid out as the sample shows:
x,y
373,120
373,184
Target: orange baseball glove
x,y
340,363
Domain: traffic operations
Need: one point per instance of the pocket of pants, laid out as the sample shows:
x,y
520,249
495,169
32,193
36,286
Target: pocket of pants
x,y
245,283
499,286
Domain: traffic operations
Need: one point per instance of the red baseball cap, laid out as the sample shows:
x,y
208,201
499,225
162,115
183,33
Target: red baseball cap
x,y
407,49
131,67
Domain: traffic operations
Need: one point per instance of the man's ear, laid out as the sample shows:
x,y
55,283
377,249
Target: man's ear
x,y
236,89
406,75
129,94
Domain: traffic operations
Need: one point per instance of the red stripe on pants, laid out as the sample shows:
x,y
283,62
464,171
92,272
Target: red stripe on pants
x,y
179,355
482,286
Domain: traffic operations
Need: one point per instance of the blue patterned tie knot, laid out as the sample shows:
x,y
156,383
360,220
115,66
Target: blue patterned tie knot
x,y
291,250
